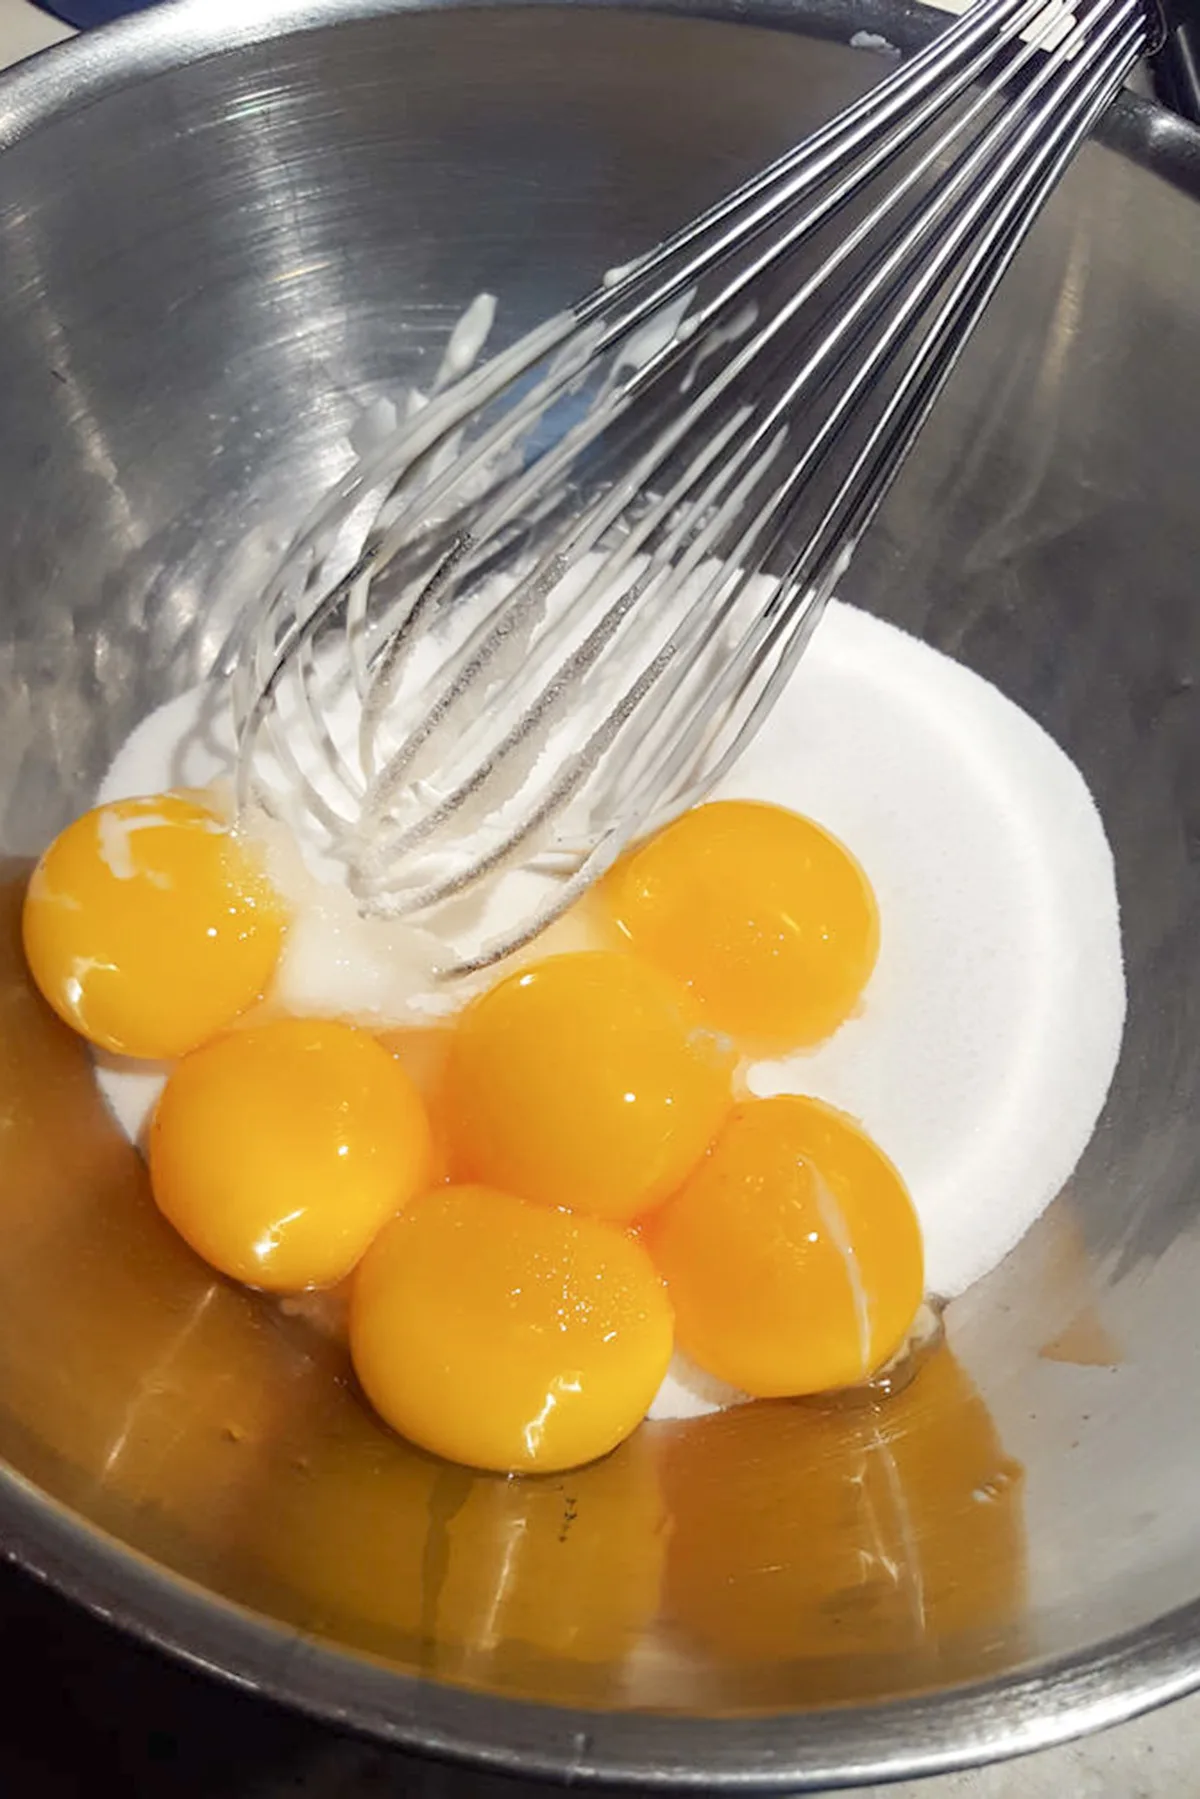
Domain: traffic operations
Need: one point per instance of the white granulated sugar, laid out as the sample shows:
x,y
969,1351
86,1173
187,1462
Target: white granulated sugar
x,y
990,1030
131,1089
690,1392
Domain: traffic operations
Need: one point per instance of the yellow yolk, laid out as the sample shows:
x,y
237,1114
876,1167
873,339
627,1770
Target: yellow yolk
x,y
766,917
584,1081
149,926
280,1150
793,1255
508,1336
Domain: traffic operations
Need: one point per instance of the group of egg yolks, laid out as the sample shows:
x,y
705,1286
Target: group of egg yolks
x,y
591,1193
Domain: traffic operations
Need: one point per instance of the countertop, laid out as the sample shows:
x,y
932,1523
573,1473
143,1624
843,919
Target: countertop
x,y
87,1710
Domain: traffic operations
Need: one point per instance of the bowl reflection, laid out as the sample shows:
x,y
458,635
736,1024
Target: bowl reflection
x,y
775,1539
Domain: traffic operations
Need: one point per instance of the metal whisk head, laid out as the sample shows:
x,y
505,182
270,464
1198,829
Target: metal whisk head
x,y
549,612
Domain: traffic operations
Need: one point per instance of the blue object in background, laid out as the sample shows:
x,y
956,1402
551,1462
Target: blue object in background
x,y
92,12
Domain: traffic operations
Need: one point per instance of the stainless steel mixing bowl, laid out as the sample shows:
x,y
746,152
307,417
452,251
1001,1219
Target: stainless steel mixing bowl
x,y
223,229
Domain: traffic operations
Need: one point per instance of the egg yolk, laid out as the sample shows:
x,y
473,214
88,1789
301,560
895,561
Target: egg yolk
x,y
767,918
279,1150
793,1255
584,1081
149,926
508,1336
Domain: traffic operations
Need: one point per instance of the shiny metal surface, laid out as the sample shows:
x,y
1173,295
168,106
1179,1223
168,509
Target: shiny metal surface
x,y
221,233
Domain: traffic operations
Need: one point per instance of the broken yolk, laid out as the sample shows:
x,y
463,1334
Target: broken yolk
x,y
280,1150
767,918
149,926
506,1335
793,1255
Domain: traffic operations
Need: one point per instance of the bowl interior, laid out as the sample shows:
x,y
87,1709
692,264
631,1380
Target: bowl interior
x,y
213,253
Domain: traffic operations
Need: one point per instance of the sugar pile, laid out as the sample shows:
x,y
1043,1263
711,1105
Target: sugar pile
x,y
990,1030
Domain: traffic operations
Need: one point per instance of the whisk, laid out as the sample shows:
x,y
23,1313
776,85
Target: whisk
x,y
548,613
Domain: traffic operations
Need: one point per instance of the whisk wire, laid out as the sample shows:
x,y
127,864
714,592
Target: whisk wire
x,y
866,485
473,659
565,597
781,183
